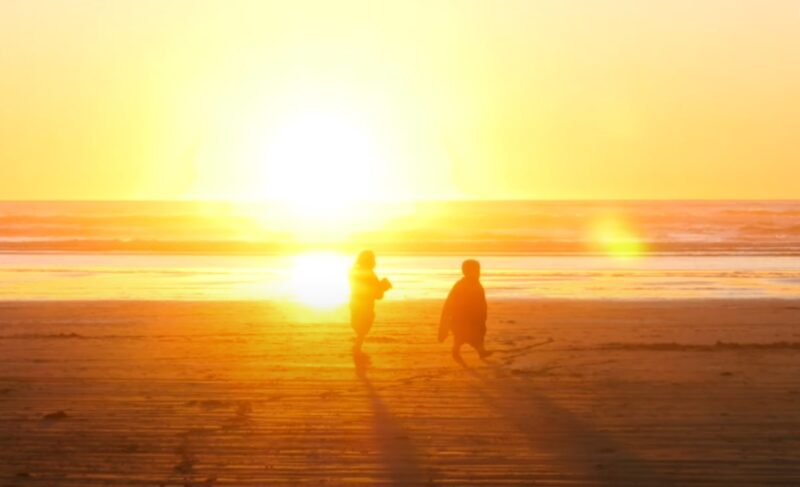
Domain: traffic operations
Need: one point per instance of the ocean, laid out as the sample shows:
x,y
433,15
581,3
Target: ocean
x,y
528,249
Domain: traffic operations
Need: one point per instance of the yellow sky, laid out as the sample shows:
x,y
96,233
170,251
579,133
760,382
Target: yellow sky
x,y
429,99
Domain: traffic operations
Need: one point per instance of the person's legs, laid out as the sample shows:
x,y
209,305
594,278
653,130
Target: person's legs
x,y
457,343
361,320
359,341
479,338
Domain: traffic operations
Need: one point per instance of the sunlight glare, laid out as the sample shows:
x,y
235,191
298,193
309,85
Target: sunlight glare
x,y
319,159
320,280
321,164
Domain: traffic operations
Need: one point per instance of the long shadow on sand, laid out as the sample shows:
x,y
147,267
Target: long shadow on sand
x,y
580,452
394,445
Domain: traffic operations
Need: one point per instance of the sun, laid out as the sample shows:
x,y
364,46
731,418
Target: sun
x,y
321,165
321,159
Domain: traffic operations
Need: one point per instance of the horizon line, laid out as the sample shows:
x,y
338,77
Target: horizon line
x,y
405,200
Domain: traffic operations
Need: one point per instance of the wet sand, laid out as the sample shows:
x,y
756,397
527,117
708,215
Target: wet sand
x,y
577,393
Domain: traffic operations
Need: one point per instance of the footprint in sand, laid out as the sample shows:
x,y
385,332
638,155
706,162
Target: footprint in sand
x,y
56,416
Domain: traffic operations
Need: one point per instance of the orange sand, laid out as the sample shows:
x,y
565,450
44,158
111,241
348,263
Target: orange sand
x,y
613,393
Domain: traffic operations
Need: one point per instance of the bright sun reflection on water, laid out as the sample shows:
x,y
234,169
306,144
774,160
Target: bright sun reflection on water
x,y
320,280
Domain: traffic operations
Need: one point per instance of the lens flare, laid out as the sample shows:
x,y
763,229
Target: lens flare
x,y
616,238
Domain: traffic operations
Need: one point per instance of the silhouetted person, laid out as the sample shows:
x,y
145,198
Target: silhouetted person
x,y
365,288
464,312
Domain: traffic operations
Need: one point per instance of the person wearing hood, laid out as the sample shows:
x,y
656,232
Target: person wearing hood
x,y
464,312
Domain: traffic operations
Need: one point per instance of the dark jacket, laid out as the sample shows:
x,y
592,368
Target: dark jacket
x,y
464,312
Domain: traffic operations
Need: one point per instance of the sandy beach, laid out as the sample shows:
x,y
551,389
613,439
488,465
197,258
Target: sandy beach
x,y
577,393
